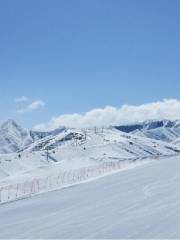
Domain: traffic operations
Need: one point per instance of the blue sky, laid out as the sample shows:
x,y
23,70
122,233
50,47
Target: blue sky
x,y
74,56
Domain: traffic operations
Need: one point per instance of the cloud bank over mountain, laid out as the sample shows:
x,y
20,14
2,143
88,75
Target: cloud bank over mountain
x,y
109,115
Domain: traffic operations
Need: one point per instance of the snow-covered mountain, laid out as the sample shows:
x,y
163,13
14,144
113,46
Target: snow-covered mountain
x,y
69,148
124,145
37,156
76,148
164,130
13,137
36,135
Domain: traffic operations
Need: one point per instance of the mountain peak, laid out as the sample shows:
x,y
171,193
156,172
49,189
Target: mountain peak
x,y
13,137
10,125
9,122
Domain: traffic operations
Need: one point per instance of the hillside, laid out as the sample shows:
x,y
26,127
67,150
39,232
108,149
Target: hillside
x,y
75,148
140,203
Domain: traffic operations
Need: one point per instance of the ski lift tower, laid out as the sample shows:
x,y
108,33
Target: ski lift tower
x,y
47,153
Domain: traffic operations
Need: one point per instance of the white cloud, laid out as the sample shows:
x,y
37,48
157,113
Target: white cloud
x,y
166,109
21,99
35,105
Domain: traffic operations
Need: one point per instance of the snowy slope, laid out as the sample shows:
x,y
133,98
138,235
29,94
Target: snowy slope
x,y
176,142
139,203
126,145
164,130
75,148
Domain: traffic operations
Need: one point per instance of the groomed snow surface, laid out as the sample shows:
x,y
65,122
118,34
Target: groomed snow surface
x,y
143,202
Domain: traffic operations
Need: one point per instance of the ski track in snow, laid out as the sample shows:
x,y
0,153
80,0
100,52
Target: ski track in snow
x,y
143,202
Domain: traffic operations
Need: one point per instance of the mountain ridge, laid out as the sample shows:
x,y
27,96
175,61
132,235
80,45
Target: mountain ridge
x,y
29,153
14,138
164,130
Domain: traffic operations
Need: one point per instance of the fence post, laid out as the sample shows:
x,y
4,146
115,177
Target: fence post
x,y
64,177
38,185
32,187
17,188
9,192
24,188
74,176
58,178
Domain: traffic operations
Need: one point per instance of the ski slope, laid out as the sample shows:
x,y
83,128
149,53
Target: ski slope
x,y
72,149
143,202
